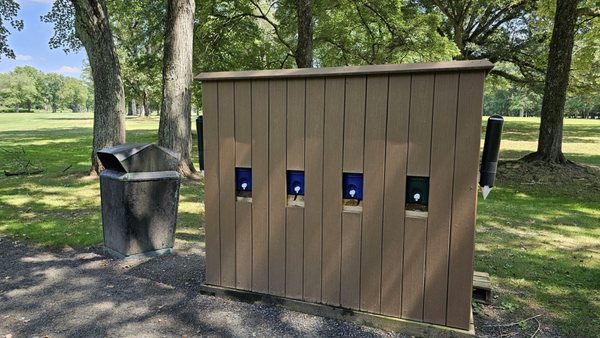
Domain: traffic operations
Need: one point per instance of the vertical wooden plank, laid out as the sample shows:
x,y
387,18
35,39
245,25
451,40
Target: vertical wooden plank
x,y
243,245
332,188
243,210
350,283
440,197
395,185
294,247
374,155
421,105
295,123
227,182
354,117
421,111
414,268
277,186
354,127
294,252
464,199
260,188
243,124
211,182
313,218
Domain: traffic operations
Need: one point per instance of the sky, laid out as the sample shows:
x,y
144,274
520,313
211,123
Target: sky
x,y
31,44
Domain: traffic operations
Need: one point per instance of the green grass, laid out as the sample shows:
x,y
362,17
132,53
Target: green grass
x,y
61,207
539,240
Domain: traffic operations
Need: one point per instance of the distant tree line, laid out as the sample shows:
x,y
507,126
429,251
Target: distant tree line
x,y
26,89
546,53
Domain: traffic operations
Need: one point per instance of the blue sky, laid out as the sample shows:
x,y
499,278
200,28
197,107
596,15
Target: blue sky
x,y
31,44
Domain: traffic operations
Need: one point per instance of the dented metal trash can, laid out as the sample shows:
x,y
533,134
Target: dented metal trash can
x,y
139,191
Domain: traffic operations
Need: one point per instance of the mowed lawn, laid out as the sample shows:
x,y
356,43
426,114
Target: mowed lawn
x,y
538,235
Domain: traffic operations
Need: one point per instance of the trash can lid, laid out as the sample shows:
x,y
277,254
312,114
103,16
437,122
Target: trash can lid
x,y
138,157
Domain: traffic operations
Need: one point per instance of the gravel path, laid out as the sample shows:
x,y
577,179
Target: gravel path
x,y
78,293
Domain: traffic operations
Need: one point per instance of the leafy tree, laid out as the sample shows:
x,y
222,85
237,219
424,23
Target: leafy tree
x,y
50,87
73,94
8,12
139,28
352,32
17,89
35,75
86,23
557,80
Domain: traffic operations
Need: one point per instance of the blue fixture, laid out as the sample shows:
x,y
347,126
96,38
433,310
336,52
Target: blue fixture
x,y
243,179
353,186
295,182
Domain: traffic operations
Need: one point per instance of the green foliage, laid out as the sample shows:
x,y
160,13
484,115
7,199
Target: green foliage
x,y
17,89
139,28
377,32
8,12
27,87
62,16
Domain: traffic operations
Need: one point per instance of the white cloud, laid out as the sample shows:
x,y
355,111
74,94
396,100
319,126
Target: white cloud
x,y
68,70
21,57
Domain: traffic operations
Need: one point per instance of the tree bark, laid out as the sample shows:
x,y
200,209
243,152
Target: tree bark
x,y
304,49
145,105
93,29
175,129
556,85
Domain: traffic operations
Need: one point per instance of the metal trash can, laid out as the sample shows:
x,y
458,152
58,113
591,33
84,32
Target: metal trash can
x,y
139,191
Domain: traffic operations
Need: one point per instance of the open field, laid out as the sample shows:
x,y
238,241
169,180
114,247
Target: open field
x,y
538,233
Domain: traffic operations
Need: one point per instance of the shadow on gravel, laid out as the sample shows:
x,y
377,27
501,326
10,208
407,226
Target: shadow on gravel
x,y
80,293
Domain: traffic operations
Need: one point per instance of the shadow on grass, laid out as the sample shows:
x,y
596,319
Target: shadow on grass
x,y
540,245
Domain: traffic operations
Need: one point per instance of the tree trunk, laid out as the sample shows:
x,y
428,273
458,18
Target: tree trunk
x,y
145,105
304,50
93,29
175,128
557,81
16,108
132,111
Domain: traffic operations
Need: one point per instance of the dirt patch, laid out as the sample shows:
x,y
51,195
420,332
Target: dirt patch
x,y
574,175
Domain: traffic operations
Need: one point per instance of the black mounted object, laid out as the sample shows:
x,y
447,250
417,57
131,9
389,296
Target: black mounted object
x,y
200,131
139,191
417,190
491,148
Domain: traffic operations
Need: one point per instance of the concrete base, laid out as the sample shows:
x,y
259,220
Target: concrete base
x,y
387,323
155,253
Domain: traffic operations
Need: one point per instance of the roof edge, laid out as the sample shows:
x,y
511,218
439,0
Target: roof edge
x,y
446,66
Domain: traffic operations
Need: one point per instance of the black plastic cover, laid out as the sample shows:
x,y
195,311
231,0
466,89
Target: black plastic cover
x,y
138,157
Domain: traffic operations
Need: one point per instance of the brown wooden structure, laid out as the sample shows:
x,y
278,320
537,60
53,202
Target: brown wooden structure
x,y
386,122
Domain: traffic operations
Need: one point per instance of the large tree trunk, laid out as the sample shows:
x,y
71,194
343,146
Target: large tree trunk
x,y
304,50
557,81
175,129
93,29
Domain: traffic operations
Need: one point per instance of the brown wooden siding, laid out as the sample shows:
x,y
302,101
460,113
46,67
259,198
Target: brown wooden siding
x,y
464,198
260,182
373,258
227,183
277,182
393,204
313,216
440,205
375,129
333,137
211,183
